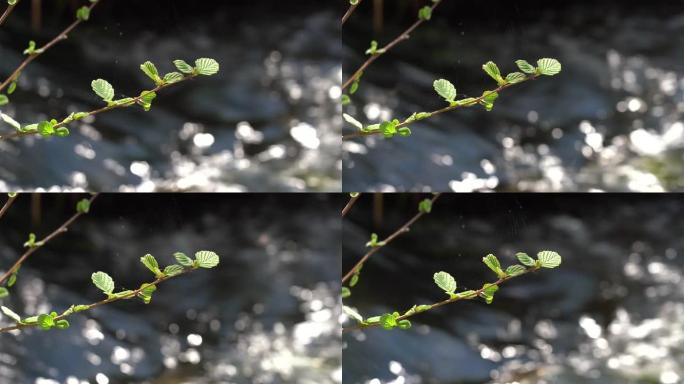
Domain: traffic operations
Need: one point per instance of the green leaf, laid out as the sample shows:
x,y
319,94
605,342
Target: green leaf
x,y
345,100
373,49
445,89
488,292
425,206
525,259
104,282
12,279
206,259
83,206
351,120
62,324
4,292
151,263
206,66
103,89
493,71
145,99
352,313
445,281
548,67
31,242
183,66
11,314
146,293
425,13
173,77
14,2
4,100
515,270
183,259
12,87
549,259
354,279
389,128
31,50
526,67
389,320
515,77
374,241
488,99
46,321
173,270
150,70
493,263
346,292
9,120
46,128
83,13
404,324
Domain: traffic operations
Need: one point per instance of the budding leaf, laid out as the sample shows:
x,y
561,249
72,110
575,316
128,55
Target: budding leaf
x,y
515,270
11,314
206,66
445,281
488,292
183,259
493,263
206,259
4,292
183,66
3,100
351,120
173,77
151,263
104,282
525,259
425,13
346,292
425,206
83,206
352,313
445,89
173,270
83,13
146,293
150,70
549,259
493,71
103,89
145,99
525,66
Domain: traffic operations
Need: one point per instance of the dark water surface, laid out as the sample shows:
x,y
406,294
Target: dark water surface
x,y
267,314
612,120
611,313
264,123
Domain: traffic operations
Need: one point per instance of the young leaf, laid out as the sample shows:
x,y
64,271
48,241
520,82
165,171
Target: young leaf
x,y
4,292
548,259
548,67
206,259
515,77
526,67
9,120
493,263
145,99
9,313
83,206
425,206
183,66
525,259
493,71
346,292
352,313
3,100
12,279
104,282
388,321
12,87
445,281
83,13
351,120
150,70
425,13
183,259
151,263
46,321
62,324
206,66
445,89
173,270
488,292
146,293
173,77
103,89
515,270
404,324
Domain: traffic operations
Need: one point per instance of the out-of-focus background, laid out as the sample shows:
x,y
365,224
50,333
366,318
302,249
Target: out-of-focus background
x,y
612,120
611,313
267,314
269,121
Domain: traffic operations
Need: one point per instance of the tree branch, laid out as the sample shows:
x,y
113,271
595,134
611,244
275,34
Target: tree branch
x,y
7,12
61,229
346,208
7,204
403,229
349,12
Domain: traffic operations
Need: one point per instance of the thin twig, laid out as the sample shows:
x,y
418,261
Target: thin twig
x,y
7,204
133,101
62,36
474,295
403,229
474,101
61,229
349,12
381,51
7,12
132,294
347,207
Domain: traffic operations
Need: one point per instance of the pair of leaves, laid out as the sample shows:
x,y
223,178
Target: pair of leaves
x,y
545,259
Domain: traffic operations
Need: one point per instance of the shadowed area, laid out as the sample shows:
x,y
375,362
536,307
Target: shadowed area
x,y
265,122
268,313
610,313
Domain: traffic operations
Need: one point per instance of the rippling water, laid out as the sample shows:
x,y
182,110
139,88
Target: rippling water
x,y
612,120
264,123
612,313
